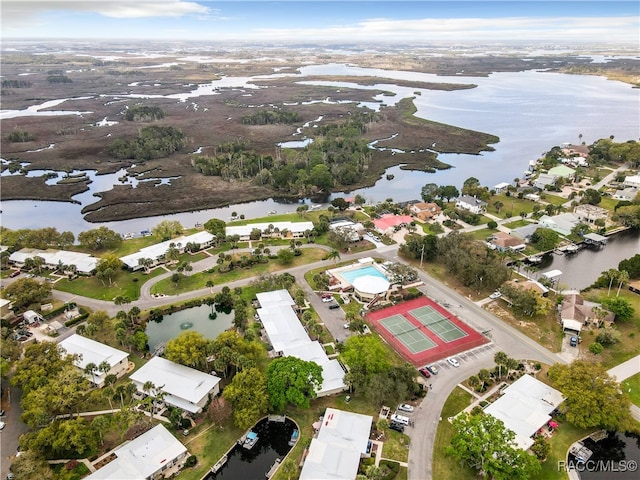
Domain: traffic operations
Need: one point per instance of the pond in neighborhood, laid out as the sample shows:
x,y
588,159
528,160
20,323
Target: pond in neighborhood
x,y
614,458
253,464
195,318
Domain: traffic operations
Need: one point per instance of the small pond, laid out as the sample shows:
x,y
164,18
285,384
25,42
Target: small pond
x,y
195,318
253,464
614,458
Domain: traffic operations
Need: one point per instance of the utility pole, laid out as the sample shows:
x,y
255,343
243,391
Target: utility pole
x,y
422,255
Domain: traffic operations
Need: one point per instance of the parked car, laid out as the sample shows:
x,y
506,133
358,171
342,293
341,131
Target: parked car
x,y
433,369
2,424
327,299
453,362
15,273
573,341
346,326
495,295
400,419
405,407
424,372
398,427
334,306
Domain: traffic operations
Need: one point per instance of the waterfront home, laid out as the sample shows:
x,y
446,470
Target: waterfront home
x,y
289,338
525,407
473,204
562,224
156,253
577,313
562,171
154,454
89,352
270,230
500,187
590,213
340,443
425,211
544,180
85,264
184,387
504,242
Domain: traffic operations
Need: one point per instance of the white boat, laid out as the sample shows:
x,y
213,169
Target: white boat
x,y
250,440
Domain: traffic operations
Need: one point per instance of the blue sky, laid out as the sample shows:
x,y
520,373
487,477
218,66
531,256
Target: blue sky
x,y
325,21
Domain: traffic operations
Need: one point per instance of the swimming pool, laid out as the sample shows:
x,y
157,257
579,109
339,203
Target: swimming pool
x,y
351,275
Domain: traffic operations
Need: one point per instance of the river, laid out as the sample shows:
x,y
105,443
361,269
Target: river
x,y
530,111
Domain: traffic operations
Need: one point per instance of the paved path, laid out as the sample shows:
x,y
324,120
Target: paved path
x,y
626,369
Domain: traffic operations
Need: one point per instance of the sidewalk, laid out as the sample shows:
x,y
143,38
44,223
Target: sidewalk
x,y
626,369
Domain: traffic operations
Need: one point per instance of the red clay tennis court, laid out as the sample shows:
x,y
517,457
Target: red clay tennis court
x,y
422,331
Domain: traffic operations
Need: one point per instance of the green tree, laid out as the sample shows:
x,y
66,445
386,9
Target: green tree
x,y
29,465
247,394
593,398
108,267
189,348
167,229
26,291
591,196
484,444
101,238
545,239
448,192
285,256
365,357
291,380
621,307
216,227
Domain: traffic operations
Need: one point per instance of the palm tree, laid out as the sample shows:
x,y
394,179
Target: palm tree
x,y
333,254
623,276
89,369
172,253
611,274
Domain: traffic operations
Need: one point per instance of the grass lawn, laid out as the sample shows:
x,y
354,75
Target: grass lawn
x,y
199,280
554,199
560,443
125,283
632,387
517,224
447,468
510,205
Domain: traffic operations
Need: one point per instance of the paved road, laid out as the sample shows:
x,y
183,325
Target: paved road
x,y
13,429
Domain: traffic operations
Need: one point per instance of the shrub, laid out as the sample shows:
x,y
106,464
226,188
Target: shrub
x,y
596,348
71,464
191,461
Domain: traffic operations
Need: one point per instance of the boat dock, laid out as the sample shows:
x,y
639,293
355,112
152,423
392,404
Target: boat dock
x,y
274,468
219,464
277,418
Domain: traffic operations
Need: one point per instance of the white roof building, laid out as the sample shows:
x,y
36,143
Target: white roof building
x,y
632,181
296,229
562,224
157,251
525,407
84,262
336,451
500,187
90,351
144,457
184,387
287,335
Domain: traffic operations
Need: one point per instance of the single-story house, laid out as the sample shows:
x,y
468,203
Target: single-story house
x,y
270,229
544,180
501,187
289,338
388,222
425,211
625,194
336,450
590,213
525,231
91,352
154,454
562,171
5,307
575,161
576,312
351,230
531,285
580,150
632,181
85,263
473,204
157,251
525,407
562,224
504,242
184,387
532,196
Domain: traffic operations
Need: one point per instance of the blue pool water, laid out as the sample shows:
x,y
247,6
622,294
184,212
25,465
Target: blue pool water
x,y
351,275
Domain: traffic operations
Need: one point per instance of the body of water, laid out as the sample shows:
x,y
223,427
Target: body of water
x,y
195,318
614,458
273,443
530,111
581,269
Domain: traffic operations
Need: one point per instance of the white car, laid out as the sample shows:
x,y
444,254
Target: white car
x,y
405,407
453,361
495,295
327,299
2,424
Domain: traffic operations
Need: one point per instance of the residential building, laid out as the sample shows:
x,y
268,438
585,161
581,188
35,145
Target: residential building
x,y
89,351
425,211
388,222
504,242
289,338
562,224
625,194
336,450
632,181
184,387
590,213
525,407
5,307
578,150
576,312
270,229
154,454
562,171
501,187
85,263
473,204
351,230
544,180
156,253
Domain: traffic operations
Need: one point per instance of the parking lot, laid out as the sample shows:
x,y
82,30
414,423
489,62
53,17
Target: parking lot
x,y
472,355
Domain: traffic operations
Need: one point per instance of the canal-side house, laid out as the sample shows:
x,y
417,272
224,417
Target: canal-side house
x,y
154,454
288,337
562,224
270,230
577,313
184,387
473,204
504,242
339,444
590,213
500,187
156,253
89,352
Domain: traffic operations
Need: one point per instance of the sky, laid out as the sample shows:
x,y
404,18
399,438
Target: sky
x,y
321,21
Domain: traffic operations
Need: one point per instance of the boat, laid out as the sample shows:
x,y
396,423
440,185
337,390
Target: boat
x,y
250,440
294,437
390,176
572,248
271,212
581,452
534,259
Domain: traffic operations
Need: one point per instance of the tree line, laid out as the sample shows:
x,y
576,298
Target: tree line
x,y
152,142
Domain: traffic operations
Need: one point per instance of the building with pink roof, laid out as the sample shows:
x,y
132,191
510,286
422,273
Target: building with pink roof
x,y
388,222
